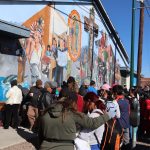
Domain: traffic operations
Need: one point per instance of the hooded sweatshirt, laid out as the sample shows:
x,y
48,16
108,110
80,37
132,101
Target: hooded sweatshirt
x,y
54,131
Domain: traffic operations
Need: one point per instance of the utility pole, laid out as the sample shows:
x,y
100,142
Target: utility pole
x,y
132,63
132,44
139,64
140,44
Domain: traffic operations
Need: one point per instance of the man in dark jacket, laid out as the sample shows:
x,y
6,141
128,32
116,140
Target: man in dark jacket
x,y
84,87
48,96
34,94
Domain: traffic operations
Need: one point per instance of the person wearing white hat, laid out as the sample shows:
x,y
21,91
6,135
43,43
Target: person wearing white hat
x,y
84,87
111,104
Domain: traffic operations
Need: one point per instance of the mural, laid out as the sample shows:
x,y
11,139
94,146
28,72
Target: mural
x,y
104,61
61,45
117,72
8,73
74,44
65,41
91,27
52,59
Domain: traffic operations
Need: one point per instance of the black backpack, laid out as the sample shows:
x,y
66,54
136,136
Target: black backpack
x,y
46,99
112,135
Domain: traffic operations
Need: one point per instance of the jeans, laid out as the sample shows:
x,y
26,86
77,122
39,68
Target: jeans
x,y
126,136
131,132
95,147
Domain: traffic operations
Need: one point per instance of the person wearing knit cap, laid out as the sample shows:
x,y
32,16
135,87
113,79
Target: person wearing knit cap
x,y
48,96
33,96
83,88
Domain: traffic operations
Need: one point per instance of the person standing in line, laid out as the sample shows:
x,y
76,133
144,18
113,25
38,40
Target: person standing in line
x,y
14,99
92,88
83,88
48,96
68,87
111,104
34,95
95,108
134,112
124,114
63,117
80,101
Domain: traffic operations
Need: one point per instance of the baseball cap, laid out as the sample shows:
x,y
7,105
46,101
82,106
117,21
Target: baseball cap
x,y
86,82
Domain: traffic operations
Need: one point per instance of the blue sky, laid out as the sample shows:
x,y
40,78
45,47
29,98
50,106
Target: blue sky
x,y
120,14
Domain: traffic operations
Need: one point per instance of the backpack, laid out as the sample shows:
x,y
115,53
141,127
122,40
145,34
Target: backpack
x,y
46,99
134,112
112,135
111,108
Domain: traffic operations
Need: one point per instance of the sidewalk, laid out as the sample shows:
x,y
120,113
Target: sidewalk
x,y
21,139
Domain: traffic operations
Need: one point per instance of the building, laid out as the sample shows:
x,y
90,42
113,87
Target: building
x,y
83,37
10,51
145,82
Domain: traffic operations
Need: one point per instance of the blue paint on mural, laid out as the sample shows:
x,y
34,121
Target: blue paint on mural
x,y
4,86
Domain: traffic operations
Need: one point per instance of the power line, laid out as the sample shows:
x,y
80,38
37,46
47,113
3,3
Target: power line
x,y
147,8
76,19
87,10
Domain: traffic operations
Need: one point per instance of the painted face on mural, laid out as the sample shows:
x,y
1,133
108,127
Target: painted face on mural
x,y
37,36
54,42
62,44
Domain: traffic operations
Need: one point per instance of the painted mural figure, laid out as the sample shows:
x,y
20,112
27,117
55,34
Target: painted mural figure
x,y
61,58
105,59
72,35
76,34
91,27
34,51
74,39
53,60
117,72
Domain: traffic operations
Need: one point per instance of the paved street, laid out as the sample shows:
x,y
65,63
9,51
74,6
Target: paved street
x,y
17,140
24,140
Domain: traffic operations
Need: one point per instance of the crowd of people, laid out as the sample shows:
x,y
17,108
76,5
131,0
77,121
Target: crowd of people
x,y
85,118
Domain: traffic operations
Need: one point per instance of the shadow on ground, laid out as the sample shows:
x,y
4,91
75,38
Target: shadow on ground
x,y
29,137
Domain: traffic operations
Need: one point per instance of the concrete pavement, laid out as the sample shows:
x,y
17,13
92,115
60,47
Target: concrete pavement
x,y
21,139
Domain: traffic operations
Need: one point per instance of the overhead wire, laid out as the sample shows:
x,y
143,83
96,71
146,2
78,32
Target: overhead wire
x,y
91,27
84,8
147,8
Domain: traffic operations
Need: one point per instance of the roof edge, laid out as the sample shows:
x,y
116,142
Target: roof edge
x,y
98,3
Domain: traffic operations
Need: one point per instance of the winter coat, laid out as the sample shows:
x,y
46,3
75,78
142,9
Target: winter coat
x,y
56,133
46,99
14,96
36,94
